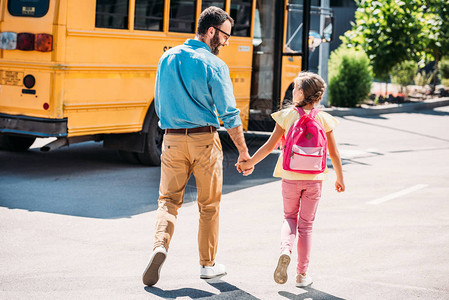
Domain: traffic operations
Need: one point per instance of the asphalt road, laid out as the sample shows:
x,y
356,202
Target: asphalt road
x,y
78,222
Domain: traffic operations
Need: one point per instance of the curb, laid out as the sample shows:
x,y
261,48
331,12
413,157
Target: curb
x,y
388,108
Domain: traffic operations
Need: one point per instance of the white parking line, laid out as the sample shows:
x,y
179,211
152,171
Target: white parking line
x,y
397,194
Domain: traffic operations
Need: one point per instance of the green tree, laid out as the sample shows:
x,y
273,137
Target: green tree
x,y
436,28
389,31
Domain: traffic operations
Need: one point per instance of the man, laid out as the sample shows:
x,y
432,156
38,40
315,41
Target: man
x,y
192,85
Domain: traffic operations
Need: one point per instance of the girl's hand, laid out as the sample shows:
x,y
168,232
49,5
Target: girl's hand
x,y
248,172
245,166
339,186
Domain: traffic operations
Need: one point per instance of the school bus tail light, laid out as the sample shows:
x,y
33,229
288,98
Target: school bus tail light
x,y
25,41
43,42
8,40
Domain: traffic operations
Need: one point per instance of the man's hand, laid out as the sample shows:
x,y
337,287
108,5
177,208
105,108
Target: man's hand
x,y
245,166
242,157
238,138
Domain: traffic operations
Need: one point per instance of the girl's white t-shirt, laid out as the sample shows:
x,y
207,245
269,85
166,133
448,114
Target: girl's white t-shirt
x,y
285,118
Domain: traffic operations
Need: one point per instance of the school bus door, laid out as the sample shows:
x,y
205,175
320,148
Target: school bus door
x,y
274,64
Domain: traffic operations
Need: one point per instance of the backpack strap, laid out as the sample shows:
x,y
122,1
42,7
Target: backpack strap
x,y
300,111
313,113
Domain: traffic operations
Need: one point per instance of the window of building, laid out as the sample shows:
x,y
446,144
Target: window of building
x,y
112,14
343,3
182,16
149,15
241,13
28,8
217,3
312,2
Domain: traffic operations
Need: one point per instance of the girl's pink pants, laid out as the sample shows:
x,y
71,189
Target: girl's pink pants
x,y
301,199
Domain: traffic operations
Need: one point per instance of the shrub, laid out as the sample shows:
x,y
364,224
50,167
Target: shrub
x,y
350,77
404,73
443,69
422,78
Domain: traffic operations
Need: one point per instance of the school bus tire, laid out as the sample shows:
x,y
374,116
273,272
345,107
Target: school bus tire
x,y
16,143
153,142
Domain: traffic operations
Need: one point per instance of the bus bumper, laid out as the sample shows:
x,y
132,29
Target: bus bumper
x,y
32,126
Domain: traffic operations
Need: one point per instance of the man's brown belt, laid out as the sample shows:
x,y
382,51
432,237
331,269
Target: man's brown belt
x,y
192,130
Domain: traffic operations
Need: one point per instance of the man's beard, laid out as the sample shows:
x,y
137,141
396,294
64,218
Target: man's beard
x,y
215,43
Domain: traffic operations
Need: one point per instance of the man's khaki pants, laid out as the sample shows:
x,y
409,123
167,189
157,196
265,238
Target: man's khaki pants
x,y
182,155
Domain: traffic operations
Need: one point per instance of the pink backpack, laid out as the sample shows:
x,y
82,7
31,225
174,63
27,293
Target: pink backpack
x,y
305,148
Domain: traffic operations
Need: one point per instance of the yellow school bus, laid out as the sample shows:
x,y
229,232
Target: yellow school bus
x,y
80,70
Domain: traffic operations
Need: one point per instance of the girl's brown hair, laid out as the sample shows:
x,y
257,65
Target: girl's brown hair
x,y
312,85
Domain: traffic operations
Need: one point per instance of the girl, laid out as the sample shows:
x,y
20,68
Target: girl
x,y
300,192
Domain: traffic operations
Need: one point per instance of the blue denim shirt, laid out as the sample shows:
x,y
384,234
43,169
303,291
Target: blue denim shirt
x,y
192,85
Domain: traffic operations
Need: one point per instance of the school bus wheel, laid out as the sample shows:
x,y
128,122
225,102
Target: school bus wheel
x,y
153,141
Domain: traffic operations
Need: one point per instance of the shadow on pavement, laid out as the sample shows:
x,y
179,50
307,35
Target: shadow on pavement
x,y
263,173
87,180
227,291
372,117
432,112
310,293
183,292
379,116
398,129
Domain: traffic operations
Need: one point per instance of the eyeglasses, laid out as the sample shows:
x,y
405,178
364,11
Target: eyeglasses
x,y
228,36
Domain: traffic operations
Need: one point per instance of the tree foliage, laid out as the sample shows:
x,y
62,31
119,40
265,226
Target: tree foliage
x,y
389,31
436,28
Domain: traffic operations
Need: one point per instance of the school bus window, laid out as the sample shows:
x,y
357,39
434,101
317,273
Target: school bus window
x,y
257,39
208,3
149,15
241,13
294,28
28,8
112,14
182,16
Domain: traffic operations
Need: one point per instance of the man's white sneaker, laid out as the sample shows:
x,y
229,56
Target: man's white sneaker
x,y
208,272
151,274
280,274
303,280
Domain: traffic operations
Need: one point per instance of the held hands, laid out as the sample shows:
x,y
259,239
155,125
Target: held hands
x,y
244,164
246,167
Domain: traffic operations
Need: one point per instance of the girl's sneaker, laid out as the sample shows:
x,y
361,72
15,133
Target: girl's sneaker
x,y
280,274
303,280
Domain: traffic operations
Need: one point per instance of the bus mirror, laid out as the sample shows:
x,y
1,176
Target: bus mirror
x,y
314,40
328,30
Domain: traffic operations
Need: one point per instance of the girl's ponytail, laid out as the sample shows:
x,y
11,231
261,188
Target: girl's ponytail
x,y
313,87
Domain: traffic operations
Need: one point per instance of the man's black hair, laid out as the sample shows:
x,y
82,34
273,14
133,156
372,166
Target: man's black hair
x,y
212,17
